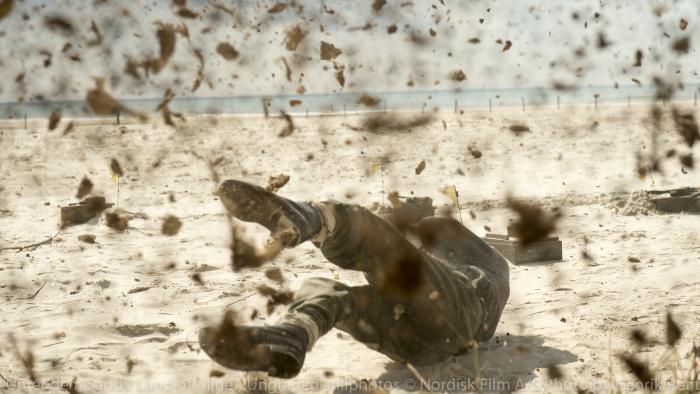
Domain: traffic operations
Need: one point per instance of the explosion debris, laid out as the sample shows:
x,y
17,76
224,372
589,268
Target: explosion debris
x,y
60,24
329,51
171,225
5,8
167,113
84,188
227,51
368,100
200,71
287,70
187,13
197,278
293,37
26,357
638,58
641,372
117,220
98,36
533,223
275,297
116,167
687,126
518,128
275,183
289,128
277,8
682,45
475,153
102,103
378,4
275,274
54,119
245,255
420,167
87,238
673,332
339,73
458,76
390,122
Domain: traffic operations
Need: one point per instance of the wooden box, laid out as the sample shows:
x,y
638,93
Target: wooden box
x,y
547,249
83,211
686,199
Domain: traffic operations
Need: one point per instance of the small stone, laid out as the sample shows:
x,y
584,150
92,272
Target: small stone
x,y
87,238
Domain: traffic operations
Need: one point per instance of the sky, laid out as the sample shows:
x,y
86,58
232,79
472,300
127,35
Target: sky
x,y
49,50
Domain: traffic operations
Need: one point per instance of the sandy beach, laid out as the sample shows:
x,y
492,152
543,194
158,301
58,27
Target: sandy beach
x,y
122,314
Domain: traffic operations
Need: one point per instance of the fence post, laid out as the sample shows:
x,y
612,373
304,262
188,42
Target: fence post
x,y
455,105
344,114
118,121
307,112
695,98
490,106
265,109
523,100
595,101
25,121
558,102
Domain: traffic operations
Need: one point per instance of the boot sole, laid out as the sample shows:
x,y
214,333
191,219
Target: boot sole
x,y
246,350
251,203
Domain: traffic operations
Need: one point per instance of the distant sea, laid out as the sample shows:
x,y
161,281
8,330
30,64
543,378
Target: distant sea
x,y
348,102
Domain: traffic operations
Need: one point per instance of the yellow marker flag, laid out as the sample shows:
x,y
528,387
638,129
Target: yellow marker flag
x,y
115,178
374,168
451,192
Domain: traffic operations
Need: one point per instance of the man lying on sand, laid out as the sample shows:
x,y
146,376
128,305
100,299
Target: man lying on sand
x,y
420,306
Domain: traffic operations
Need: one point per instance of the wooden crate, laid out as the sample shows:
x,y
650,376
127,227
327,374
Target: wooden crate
x,y
547,249
686,199
83,211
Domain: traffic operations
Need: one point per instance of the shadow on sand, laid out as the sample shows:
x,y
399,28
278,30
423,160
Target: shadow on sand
x,y
507,364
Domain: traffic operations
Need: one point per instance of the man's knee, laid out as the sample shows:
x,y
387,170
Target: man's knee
x,y
319,287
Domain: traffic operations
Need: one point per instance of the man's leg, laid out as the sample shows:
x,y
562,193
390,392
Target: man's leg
x,y
420,309
463,251
401,331
321,304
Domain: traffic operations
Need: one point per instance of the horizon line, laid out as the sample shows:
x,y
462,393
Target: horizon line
x,y
345,93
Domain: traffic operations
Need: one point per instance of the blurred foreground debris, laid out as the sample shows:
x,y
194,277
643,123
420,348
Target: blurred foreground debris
x,y
407,212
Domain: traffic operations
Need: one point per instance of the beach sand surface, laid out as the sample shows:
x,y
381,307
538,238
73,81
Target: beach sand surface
x,y
122,314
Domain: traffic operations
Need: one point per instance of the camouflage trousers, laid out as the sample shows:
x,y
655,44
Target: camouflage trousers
x,y
423,303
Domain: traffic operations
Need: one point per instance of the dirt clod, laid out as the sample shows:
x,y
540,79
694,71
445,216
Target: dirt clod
x,y
171,225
